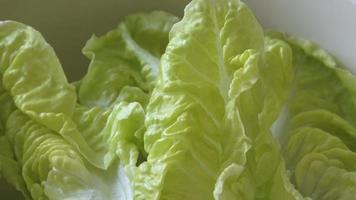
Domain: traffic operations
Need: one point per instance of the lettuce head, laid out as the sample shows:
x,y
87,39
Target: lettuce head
x,y
206,107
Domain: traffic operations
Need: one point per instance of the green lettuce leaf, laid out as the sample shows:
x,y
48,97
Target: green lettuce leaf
x,y
10,169
125,61
221,88
7,106
32,74
55,148
114,132
320,134
33,77
208,108
53,169
260,90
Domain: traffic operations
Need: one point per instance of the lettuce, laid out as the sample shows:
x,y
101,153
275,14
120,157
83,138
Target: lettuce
x,y
10,169
221,88
54,145
319,142
208,107
51,168
125,61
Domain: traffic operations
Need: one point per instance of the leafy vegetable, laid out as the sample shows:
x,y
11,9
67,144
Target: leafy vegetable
x,y
321,139
50,119
125,61
9,167
209,116
51,168
205,108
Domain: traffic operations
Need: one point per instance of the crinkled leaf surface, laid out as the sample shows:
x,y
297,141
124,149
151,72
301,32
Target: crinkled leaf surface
x,y
320,144
127,56
212,104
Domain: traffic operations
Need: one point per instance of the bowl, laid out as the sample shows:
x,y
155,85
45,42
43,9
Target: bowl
x,y
67,25
329,23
